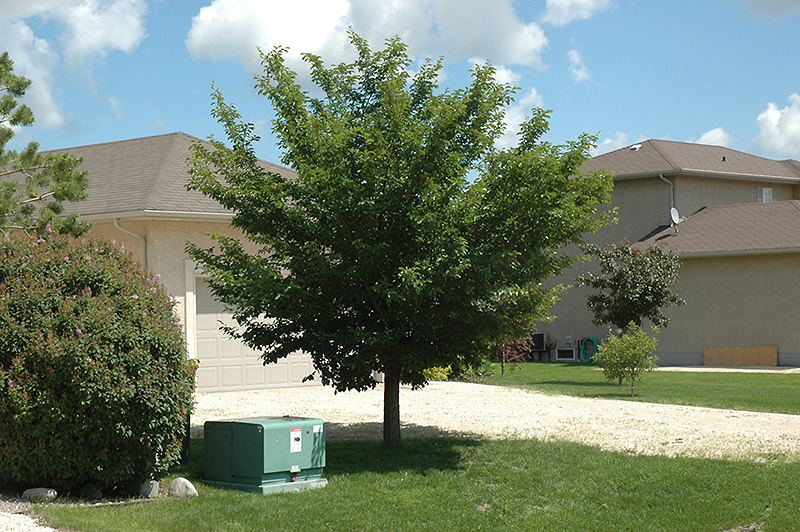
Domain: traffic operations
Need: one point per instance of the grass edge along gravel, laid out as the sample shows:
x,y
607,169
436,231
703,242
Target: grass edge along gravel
x,y
776,392
473,484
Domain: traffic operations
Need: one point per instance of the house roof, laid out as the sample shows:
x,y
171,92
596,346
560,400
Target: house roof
x,y
145,177
668,158
743,229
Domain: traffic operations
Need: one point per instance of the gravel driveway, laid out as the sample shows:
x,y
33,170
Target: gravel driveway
x,y
497,412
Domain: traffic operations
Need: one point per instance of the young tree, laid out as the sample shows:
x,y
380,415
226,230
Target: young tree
x,y
33,185
634,284
627,356
382,254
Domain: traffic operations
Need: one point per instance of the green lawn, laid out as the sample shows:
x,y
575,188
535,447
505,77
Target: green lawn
x,y
519,485
760,392
464,485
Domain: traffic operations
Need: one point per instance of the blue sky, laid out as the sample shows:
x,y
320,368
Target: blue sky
x,y
713,71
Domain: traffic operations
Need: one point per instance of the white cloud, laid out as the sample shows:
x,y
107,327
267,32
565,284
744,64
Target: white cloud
x,y
774,8
779,129
515,115
93,28
36,60
577,68
232,29
562,12
19,9
620,140
90,29
716,137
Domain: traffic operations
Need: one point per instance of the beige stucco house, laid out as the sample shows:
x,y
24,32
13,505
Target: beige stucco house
x,y
739,239
137,197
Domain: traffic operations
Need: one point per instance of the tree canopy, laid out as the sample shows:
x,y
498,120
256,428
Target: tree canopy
x,y
33,185
406,240
633,284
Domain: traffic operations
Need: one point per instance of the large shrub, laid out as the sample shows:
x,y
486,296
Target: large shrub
x,y
95,387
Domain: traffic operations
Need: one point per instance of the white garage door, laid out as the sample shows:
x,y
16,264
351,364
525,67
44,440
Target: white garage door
x,y
227,364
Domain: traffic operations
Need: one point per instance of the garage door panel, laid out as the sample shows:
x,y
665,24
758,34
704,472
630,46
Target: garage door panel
x,y
229,348
228,364
300,370
207,349
255,375
231,376
206,322
207,378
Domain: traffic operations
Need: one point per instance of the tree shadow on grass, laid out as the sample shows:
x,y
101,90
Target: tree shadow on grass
x,y
358,448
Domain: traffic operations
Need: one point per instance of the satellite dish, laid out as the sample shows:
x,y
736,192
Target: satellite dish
x,y
676,218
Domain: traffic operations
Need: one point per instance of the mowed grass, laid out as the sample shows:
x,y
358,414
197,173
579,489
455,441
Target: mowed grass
x,y
437,484
517,485
759,392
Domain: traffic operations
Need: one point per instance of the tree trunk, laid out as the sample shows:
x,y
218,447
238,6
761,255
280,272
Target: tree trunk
x,y
391,408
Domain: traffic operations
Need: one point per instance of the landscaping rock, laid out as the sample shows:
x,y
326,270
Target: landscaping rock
x,y
149,489
182,488
39,494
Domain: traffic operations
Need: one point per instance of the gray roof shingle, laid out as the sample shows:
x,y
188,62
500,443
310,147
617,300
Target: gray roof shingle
x,y
748,228
654,157
144,176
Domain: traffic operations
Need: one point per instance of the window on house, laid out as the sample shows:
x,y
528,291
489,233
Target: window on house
x,y
764,195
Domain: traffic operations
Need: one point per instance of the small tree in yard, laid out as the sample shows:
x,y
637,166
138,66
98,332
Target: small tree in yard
x,y
628,356
33,185
634,284
382,254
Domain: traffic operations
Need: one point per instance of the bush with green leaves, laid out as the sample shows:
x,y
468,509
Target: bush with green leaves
x,y
628,356
95,386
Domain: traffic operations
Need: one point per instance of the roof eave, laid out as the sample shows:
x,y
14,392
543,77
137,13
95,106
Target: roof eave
x,y
149,214
739,253
709,173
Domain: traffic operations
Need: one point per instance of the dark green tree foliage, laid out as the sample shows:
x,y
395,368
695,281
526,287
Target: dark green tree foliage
x,y
95,388
382,255
633,284
33,185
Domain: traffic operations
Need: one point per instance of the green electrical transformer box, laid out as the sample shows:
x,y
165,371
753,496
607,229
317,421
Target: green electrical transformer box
x,y
265,454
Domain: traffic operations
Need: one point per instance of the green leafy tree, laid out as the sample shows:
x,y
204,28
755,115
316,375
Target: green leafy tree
x,y
628,356
33,185
382,254
633,284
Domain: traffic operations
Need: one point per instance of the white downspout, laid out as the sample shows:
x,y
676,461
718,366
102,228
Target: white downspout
x,y
137,235
671,190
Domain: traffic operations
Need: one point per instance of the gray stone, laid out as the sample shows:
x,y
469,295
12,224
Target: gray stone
x,y
149,489
39,494
180,487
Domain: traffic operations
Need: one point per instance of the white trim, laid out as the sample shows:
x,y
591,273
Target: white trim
x,y
190,306
149,214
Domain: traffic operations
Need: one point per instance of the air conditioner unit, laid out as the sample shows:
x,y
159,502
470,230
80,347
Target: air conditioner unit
x,y
538,341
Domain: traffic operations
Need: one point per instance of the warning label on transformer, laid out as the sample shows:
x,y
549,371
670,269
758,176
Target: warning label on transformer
x,y
296,440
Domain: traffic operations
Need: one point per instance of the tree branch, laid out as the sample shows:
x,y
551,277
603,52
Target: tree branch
x,y
40,198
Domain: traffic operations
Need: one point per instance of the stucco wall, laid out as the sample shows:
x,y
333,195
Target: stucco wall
x,y
746,300
166,241
694,193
